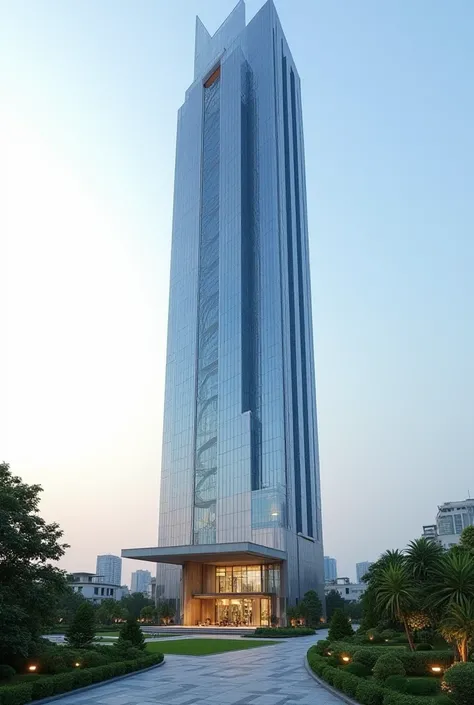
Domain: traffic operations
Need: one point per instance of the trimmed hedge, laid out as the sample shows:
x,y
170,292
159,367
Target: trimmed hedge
x,y
415,663
282,632
357,669
79,678
423,686
398,683
369,692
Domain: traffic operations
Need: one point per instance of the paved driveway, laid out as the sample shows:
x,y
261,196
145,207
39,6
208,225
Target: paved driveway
x,y
270,675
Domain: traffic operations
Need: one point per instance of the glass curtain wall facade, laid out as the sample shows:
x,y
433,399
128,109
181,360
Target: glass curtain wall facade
x,y
240,449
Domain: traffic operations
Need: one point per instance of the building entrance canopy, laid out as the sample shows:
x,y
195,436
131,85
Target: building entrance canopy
x,y
244,552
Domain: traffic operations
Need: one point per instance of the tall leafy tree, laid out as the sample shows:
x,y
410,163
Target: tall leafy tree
x,y
81,631
452,580
396,595
467,539
371,612
134,603
334,601
422,558
30,586
311,608
458,627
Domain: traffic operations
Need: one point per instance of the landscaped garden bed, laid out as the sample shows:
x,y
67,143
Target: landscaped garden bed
x,y
388,675
44,682
281,632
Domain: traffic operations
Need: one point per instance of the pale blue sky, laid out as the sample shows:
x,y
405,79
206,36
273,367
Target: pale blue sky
x,y
89,91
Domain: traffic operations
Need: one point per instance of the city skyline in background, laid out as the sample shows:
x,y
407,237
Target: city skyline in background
x,y
387,126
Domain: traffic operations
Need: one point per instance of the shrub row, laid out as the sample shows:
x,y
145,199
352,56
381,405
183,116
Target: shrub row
x,y
366,692
45,687
415,663
285,632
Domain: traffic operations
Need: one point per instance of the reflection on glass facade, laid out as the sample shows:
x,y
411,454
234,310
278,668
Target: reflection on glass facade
x,y
205,469
240,448
252,578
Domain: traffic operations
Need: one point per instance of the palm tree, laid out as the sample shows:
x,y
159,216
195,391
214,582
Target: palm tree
x,y
452,581
422,558
396,594
458,627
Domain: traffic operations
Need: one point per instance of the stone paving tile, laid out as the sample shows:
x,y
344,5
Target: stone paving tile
x,y
270,675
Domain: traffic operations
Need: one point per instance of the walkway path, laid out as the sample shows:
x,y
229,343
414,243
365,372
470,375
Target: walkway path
x,y
269,675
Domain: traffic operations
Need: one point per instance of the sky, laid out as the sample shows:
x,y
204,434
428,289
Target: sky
x,y
89,91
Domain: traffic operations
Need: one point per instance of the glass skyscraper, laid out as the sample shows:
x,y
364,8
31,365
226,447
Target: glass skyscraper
x,y
240,512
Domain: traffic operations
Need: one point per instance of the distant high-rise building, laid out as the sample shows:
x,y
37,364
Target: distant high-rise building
x,y
240,502
330,569
430,531
141,581
109,567
452,519
361,570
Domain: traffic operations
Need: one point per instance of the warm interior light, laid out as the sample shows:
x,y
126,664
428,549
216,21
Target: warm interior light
x,y
32,668
346,659
436,669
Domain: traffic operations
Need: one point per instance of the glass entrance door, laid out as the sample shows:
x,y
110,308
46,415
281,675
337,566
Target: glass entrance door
x,y
235,612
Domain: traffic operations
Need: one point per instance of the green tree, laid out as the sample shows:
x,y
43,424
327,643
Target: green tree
x,y
148,613
467,539
334,601
30,586
396,595
131,634
423,557
110,611
353,610
165,612
339,626
68,604
81,631
311,608
134,603
453,580
293,614
458,627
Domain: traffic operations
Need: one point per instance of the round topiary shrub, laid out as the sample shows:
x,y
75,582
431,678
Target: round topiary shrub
x,y
357,669
398,683
6,673
387,665
458,683
423,647
365,656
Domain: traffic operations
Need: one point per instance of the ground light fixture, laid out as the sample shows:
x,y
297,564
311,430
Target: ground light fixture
x,y
436,669
32,668
77,664
346,659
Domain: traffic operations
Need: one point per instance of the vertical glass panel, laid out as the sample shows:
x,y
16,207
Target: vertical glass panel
x,y
205,464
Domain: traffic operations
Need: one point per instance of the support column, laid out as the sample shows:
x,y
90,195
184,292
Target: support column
x,y
192,583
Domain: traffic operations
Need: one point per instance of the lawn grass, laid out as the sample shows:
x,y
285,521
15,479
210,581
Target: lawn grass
x,y
204,647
